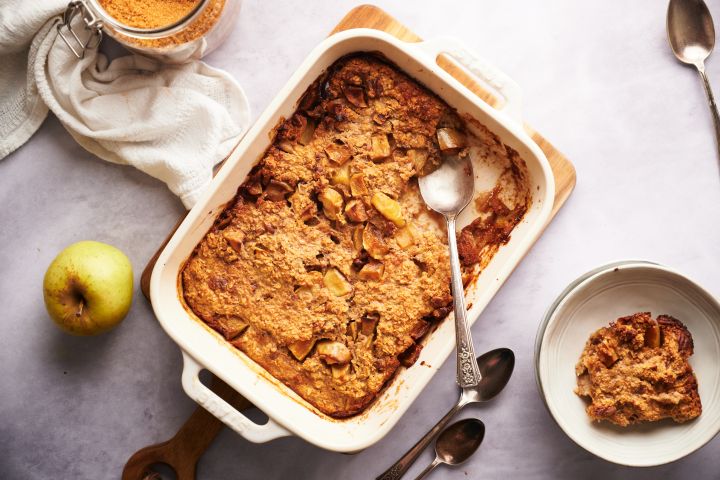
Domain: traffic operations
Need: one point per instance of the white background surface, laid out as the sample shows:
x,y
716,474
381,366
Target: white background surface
x,y
599,81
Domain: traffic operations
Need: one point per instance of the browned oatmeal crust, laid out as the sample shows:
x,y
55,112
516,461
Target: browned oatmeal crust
x,y
637,370
327,269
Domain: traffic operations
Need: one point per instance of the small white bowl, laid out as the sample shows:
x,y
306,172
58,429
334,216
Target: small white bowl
x,y
593,301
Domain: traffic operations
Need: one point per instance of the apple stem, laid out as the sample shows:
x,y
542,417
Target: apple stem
x,y
80,309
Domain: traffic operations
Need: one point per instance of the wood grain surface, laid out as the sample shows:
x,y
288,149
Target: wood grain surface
x,y
183,451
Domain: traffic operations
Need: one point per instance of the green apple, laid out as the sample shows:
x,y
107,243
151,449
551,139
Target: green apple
x,y
88,288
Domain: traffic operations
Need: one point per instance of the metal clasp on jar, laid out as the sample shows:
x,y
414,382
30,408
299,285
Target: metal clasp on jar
x,y
92,28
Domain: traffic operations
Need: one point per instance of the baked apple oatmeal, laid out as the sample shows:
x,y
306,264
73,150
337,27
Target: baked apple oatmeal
x,y
326,268
637,370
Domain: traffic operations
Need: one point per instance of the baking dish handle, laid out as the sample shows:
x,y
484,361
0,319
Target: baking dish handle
x,y
211,402
489,75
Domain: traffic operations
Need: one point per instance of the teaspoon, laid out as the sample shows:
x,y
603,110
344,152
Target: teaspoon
x,y
448,190
692,37
456,444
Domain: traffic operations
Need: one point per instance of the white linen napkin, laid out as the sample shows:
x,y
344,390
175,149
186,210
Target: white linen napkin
x,y
174,122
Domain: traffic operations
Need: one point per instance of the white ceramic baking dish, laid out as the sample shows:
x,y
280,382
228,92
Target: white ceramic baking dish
x,y
204,349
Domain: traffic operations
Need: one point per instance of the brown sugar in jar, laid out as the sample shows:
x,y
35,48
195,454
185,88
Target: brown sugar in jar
x,y
160,15
148,13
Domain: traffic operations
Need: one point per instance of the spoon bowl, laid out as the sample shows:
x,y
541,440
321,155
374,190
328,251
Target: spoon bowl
x,y
457,443
450,188
690,30
496,367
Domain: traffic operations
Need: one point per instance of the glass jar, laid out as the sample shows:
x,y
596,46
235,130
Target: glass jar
x,y
195,35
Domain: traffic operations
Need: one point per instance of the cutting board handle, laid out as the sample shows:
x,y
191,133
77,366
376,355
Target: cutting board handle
x,y
182,452
228,414
487,74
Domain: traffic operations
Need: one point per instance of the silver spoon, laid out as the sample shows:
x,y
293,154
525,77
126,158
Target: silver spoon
x,y
448,190
496,367
456,444
692,37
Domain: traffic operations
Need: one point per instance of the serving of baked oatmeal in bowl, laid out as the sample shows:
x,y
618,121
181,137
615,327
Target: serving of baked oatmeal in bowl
x,y
626,362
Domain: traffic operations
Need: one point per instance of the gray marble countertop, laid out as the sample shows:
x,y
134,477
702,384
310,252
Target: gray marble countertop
x,y
599,81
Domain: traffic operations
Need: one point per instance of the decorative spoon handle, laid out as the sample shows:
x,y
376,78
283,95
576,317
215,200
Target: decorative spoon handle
x,y
468,373
401,466
711,102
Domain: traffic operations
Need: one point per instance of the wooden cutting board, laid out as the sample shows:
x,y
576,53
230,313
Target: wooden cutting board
x,y
184,450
